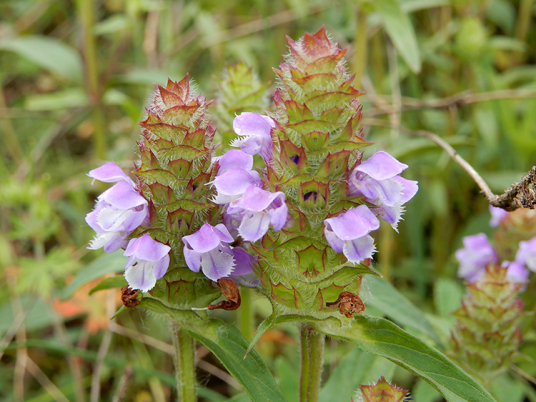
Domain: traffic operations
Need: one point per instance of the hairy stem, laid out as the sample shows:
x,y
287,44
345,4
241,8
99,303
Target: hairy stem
x,y
247,313
305,364
316,348
312,359
184,364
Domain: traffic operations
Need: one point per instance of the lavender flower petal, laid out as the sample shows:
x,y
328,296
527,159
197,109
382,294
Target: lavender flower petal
x,y
243,262
145,248
381,166
354,223
109,173
517,272
526,254
217,263
497,216
140,276
475,256
256,132
359,249
234,159
254,225
122,196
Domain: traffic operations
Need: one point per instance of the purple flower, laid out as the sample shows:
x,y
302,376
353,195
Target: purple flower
x,y
517,272
255,130
118,211
526,254
256,210
234,176
497,216
476,255
208,248
148,260
349,233
378,180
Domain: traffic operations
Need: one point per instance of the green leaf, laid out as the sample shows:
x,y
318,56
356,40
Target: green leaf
x,y
347,376
229,346
48,53
398,26
106,264
110,283
383,338
447,296
386,298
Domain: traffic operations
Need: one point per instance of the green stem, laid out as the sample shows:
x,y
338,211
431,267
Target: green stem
x,y
312,360
184,364
86,16
360,44
305,364
316,349
523,20
246,313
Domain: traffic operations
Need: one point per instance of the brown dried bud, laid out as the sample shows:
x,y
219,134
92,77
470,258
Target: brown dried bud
x,y
129,297
230,290
348,304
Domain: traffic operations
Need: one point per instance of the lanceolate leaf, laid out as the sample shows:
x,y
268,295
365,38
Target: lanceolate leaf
x,y
383,338
228,345
396,306
110,283
398,26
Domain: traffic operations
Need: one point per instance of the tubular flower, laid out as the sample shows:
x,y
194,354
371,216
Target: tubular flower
x,y
349,233
148,260
497,216
208,248
256,210
378,180
255,130
234,176
526,254
475,256
516,273
119,210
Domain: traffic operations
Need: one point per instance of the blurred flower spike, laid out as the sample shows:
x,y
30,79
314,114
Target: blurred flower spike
x,y
118,211
148,260
378,180
476,255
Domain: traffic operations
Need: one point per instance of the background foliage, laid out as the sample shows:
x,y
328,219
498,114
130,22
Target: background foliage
x,y
74,80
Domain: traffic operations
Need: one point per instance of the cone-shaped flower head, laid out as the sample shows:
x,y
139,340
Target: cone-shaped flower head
x,y
349,233
475,256
488,332
378,180
148,260
382,391
118,211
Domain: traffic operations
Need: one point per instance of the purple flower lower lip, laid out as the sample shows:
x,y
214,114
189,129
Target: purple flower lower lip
x,y
208,248
349,233
148,261
497,216
526,254
475,256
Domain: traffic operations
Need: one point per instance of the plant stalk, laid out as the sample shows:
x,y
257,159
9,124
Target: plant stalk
x,y
184,364
312,359
246,313
316,348
305,364
360,46
86,16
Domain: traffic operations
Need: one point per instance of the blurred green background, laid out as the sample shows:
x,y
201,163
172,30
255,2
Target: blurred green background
x,y
75,76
